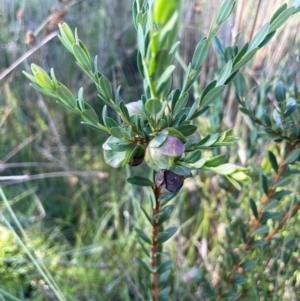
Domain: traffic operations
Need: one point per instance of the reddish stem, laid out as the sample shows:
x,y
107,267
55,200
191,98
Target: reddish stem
x,y
154,247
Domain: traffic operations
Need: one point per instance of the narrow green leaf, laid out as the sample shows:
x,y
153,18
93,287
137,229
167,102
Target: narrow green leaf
x,y
259,37
175,96
224,169
208,140
280,194
166,234
247,112
164,278
98,128
174,132
280,92
146,215
199,113
90,116
278,12
240,54
186,78
244,60
44,81
81,104
124,110
200,54
105,88
292,156
173,51
193,156
166,265
283,182
224,73
140,64
66,32
164,293
198,164
273,203
141,40
43,91
104,114
225,11
212,95
140,181
111,123
239,280
282,18
273,161
65,95
82,58
267,39
264,229
215,161
143,247
116,132
219,46
290,110
82,46
181,103
187,129
161,83
248,264
230,296
193,108
143,235
165,214
181,170
253,208
166,197
144,265
29,76
264,184
258,243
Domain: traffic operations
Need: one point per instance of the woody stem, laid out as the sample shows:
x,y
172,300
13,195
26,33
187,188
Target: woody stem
x,y
154,247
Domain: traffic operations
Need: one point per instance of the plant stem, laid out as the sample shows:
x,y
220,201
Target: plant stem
x,y
154,247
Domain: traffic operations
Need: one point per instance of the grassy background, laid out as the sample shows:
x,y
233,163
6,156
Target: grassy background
x,y
77,213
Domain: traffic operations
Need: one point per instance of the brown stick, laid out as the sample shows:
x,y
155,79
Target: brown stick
x,y
155,289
